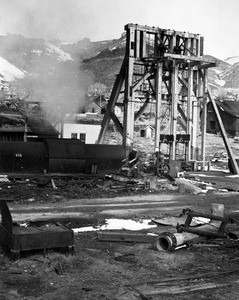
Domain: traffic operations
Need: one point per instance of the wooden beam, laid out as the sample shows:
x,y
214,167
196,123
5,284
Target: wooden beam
x,y
207,93
183,81
189,109
113,99
183,120
142,109
180,110
158,98
182,123
141,81
190,58
125,237
117,123
137,43
207,65
174,111
128,125
224,134
204,117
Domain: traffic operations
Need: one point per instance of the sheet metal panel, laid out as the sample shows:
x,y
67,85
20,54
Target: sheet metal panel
x,y
22,157
65,156
65,148
106,157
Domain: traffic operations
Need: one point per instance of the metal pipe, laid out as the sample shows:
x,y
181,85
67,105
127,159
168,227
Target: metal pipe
x,y
167,241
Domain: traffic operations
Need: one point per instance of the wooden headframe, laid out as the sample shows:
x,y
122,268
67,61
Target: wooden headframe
x,y
161,66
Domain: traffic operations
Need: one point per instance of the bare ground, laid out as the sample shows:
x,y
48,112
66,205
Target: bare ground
x,y
202,271
94,273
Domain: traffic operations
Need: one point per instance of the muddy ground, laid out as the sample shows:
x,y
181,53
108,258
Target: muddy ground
x,y
117,270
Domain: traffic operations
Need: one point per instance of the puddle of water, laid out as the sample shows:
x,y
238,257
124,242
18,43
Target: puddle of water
x,y
118,224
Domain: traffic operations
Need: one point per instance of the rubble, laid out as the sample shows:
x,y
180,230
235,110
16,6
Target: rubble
x,y
188,233
187,186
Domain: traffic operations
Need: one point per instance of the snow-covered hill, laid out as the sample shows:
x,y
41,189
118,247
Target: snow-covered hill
x,y
9,72
232,60
44,71
60,73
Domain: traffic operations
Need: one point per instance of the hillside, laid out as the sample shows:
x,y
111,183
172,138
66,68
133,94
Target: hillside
x,y
231,76
59,74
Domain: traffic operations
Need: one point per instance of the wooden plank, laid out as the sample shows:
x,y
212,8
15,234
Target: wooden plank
x,y
105,236
167,280
174,290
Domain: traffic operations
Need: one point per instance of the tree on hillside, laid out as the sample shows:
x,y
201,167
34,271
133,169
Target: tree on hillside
x,y
97,89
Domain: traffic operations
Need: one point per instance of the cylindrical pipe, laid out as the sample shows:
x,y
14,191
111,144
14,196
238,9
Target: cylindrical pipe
x,y
234,235
167,241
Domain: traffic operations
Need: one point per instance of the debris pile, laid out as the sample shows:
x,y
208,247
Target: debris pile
x,y
198,228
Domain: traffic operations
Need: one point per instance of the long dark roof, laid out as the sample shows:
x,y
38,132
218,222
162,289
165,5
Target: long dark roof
x,y
39,125
14,120
229,107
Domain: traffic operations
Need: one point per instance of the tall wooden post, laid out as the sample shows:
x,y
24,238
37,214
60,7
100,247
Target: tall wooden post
x,y
174,112
204,118
25,130
158,91
128,136
189,110
195,118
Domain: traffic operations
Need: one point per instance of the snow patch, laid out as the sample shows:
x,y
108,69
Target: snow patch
x,y
38,52
66,43
232,60
118,224
220,82
9,71
62,56
217,71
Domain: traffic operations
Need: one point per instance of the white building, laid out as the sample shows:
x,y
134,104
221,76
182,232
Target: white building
x,y
85,130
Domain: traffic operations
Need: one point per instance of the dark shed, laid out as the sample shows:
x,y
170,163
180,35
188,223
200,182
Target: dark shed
x,y
229,112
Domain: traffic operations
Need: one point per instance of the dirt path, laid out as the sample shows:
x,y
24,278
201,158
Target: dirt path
x,y
147,205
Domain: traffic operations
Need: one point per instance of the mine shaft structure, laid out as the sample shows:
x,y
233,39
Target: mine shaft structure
x,y
162,66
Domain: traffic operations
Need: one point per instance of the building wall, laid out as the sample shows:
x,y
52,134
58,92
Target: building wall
x,y
231,124
91,131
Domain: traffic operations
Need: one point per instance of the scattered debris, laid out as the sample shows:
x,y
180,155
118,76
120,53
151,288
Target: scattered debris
x,y
187,186
125,257
15,238
188,234
174,290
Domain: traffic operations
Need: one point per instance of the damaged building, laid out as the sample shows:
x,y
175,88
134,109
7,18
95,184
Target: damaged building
x,y
229,112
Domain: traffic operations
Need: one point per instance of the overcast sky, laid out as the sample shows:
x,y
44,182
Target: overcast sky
x,y
72,20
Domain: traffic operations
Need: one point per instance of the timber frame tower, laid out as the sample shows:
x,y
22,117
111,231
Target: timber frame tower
x,y
162,65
